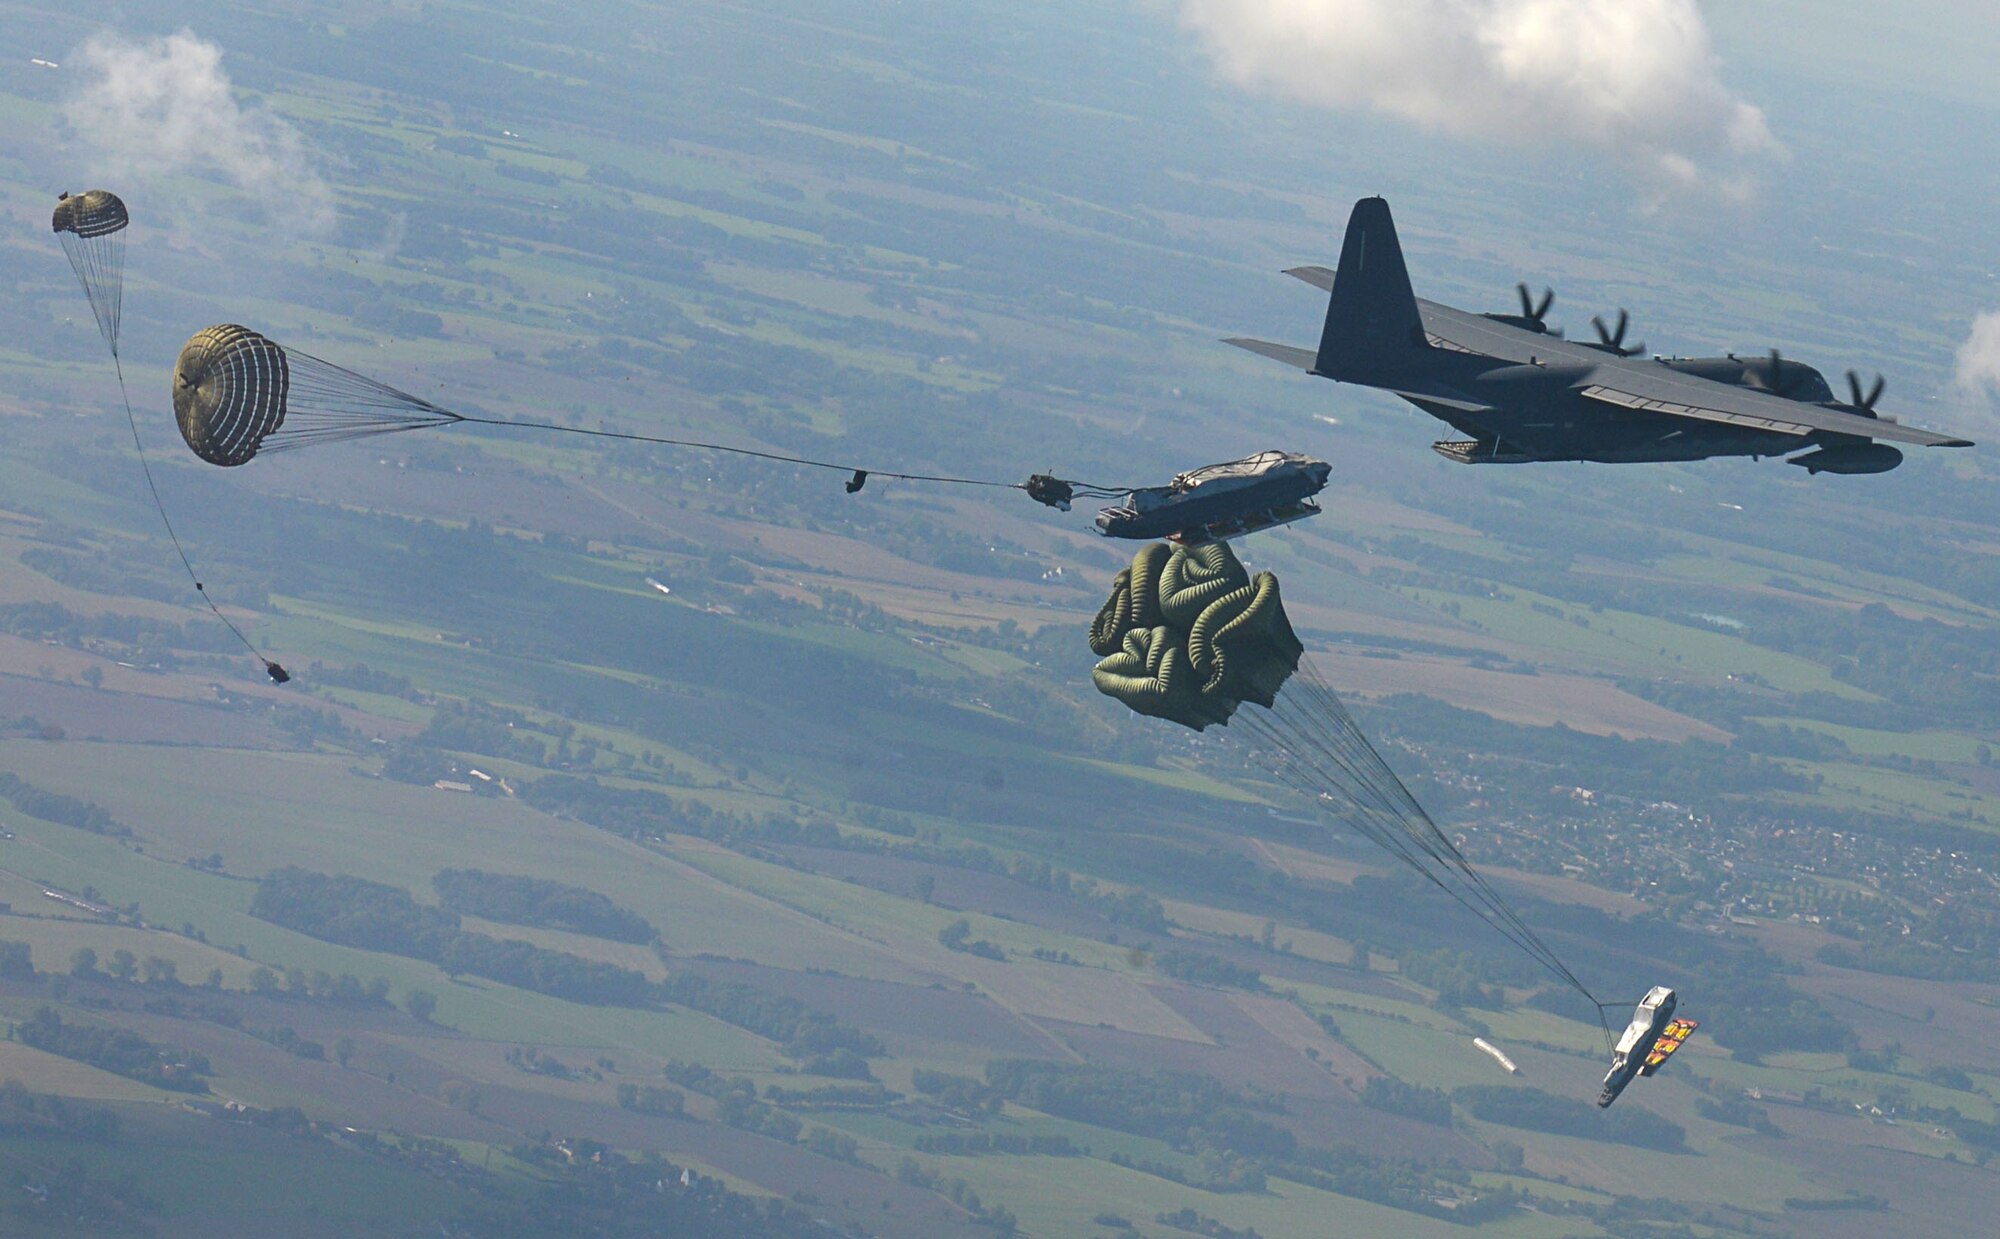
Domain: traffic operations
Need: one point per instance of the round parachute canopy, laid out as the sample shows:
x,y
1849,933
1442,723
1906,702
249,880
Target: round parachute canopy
x,y
239,394
92,213
230,388
91,227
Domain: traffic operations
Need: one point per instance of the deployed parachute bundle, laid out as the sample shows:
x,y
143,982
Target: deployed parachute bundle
x,y
91,226
1189,636
238,393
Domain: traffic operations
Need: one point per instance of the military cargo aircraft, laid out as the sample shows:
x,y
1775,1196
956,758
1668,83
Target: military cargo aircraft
x,y
1520,392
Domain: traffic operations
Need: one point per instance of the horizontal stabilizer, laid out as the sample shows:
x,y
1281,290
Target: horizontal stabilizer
x,y
1319,277
1303,358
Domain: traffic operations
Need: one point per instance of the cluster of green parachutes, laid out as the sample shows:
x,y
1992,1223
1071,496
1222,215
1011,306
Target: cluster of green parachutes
x,y
1188,636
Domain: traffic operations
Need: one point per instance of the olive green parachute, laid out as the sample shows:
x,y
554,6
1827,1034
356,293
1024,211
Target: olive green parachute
x,y
1151,675
1134,601
239,393
230,388
91,227
1189,636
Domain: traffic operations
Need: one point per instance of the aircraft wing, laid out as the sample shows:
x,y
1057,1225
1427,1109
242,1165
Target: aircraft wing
x,y
1303,358
1657,389
1672,1037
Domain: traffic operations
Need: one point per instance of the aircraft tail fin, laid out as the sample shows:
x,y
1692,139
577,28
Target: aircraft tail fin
x,y
1371,316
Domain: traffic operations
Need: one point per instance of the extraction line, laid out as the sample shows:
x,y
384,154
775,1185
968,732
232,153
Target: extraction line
x,y
1086,489
271,668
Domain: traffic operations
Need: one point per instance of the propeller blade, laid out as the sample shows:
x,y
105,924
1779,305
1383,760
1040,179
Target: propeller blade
x,y
1613,338
1865,400
1776,379
1531,309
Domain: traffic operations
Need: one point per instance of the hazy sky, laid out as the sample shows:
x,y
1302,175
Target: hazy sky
x,y
1869,130
1946,48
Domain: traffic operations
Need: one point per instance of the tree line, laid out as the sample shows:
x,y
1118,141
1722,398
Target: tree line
x,y
1536,1110
117,1050
60,809
538,902
375,916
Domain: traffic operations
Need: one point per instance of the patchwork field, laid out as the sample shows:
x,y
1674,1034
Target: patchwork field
x,y
809,859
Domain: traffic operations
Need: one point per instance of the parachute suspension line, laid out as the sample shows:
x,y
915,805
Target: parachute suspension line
x,y
99,262
325,403
1434,840
1404,843
271,669
1312,743
1399,843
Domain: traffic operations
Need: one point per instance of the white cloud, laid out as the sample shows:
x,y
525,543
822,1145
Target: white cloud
x,y
1978,372
154,106
1637,79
